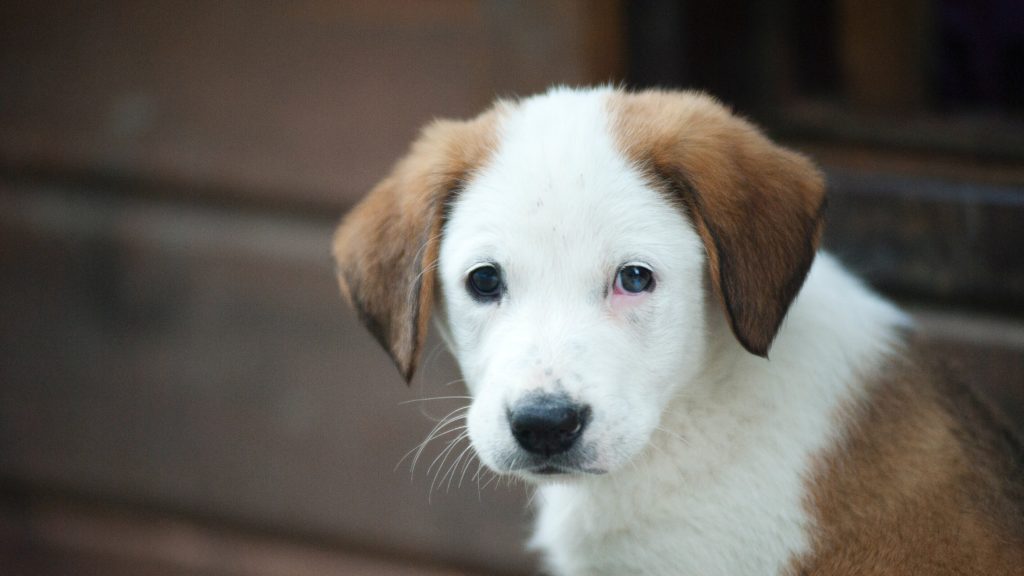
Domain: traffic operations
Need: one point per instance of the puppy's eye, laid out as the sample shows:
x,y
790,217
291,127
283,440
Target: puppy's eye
x,y
484,283
634,279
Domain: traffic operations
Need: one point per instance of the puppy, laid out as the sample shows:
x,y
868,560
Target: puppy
x,y
631,286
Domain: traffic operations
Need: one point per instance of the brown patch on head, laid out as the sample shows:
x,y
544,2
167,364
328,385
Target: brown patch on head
x,y
925,481
756,206
386,248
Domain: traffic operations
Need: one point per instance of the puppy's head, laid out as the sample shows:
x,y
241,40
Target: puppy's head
x,y
571,236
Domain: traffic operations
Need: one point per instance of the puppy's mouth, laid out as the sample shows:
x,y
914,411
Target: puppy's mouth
x,y
551,467
549,470
555,470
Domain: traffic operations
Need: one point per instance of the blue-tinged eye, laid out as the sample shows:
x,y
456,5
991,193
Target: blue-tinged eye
x,y
634,278
484,283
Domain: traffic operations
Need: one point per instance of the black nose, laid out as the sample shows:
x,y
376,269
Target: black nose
x,y
548,424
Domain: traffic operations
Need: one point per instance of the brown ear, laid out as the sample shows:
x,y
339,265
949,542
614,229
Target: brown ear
x,y
756,206
386,248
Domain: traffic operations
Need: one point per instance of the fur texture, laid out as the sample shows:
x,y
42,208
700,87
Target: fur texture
x,y
700,455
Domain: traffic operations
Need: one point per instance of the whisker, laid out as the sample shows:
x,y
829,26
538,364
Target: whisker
x,y
435,398
454,467
476,477
423,407
453,417
422,445
469,461
675,435
423,272
494,476
446,452
508,477
533,495
431,357
443,455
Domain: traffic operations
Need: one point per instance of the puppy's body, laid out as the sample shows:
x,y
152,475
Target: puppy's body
x,y
668,443
842,458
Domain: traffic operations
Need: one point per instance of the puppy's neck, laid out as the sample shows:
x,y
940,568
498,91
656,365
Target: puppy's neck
x,y
836,334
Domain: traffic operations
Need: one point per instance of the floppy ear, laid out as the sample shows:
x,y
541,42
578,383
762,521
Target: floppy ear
x,y
756,206
386,248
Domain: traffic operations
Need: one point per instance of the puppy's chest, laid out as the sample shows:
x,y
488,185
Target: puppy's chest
x,y
728,524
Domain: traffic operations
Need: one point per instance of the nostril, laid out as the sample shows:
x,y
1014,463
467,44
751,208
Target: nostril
x,y
547,424
571,422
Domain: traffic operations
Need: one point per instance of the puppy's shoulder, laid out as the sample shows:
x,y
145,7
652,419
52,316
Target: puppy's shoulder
x,y
925,479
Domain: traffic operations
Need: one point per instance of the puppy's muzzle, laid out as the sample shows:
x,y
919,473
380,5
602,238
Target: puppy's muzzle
x,y
548,424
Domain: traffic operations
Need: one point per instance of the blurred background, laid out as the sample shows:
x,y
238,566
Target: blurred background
x,y
182,391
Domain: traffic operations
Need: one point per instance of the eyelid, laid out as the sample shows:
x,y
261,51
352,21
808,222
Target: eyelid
x,y
481,265
639,263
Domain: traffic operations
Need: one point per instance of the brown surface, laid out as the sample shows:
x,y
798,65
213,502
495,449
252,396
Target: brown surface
x,y
946,240
56,537
883,52
310,101
202,361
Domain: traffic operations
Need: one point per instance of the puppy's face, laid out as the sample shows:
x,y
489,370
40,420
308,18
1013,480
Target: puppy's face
x,y
576,239
573,295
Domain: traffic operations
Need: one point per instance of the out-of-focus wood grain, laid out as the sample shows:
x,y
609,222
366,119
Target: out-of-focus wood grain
x,y
56,537
944,239
201,361
309,101
884,52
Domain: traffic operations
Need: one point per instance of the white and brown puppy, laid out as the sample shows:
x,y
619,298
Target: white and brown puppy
x,y
610,270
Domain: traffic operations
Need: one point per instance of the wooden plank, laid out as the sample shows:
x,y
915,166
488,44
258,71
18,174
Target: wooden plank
x,y
309,101
884,53
201,361
53,537
946,240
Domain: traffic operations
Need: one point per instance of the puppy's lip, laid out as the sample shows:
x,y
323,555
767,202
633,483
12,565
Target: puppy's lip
x,y
545,470
559,469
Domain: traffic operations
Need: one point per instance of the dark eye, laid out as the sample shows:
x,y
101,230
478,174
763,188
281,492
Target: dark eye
x,y
634,278
484,283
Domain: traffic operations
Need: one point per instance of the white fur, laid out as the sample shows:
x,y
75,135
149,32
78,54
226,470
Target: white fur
x,y
704,448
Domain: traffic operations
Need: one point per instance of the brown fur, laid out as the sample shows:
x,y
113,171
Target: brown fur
x,y
926,481
386,248
757,206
